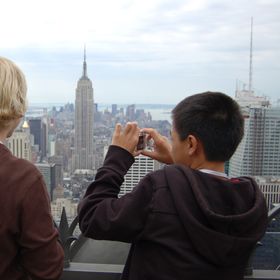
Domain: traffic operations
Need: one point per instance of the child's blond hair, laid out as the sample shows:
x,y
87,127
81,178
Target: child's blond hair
x,y
12,92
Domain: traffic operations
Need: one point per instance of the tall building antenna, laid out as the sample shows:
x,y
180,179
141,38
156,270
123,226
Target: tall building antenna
x,y
85,63
251,58
85,52
236,88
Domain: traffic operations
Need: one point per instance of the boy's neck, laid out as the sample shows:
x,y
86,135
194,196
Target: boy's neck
x,y
210,165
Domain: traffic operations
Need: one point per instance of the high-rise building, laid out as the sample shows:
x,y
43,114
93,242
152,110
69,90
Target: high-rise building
x,y
35,130
44,137
58,161
38,128
271,189
83,140
141,167
258,152
130,112
114,109
20,142
49,172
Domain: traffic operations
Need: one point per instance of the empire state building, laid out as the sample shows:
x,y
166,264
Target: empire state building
x,y
83,152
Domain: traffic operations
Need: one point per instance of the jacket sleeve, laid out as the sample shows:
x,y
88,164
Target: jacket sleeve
x,y
42,255
102,215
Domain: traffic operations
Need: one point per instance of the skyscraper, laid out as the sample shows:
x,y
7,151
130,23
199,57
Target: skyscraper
x,y
130,112
48,171
20,142
35,125
270,186
83,140
38,128
140,168
258,152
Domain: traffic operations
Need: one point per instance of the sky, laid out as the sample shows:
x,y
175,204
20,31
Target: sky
x,y
142,51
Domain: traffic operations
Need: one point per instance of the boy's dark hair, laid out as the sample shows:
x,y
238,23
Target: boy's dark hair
x,y
215,119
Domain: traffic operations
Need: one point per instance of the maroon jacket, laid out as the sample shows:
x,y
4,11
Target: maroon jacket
x,y
29,247
182,223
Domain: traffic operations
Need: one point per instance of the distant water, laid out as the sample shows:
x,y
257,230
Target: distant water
x,y
160,114
158,111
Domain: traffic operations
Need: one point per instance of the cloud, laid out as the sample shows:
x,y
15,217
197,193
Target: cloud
x,y
148,47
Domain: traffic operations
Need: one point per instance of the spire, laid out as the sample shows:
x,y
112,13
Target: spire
x,y
236,88
85,63
25,124
251,58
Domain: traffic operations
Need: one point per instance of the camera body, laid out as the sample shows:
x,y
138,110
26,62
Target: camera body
x,y
142,141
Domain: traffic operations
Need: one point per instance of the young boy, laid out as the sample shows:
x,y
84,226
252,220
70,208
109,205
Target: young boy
x,y
187,220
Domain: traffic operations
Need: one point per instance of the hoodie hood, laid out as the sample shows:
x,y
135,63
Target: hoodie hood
x,y
223,218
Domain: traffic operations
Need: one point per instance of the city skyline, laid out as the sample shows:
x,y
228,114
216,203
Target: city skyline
x,y
142,52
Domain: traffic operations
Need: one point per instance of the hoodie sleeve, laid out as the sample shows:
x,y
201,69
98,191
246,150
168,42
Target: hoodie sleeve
x,y
102,215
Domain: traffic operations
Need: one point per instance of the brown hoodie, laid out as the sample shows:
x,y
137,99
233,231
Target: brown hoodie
x,y
182,223
29,247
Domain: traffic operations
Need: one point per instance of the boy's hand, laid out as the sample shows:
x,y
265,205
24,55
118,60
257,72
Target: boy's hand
x,y
127,138
162,147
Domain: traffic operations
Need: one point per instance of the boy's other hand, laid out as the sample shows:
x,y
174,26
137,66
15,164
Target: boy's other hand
x,y
127,137
161,147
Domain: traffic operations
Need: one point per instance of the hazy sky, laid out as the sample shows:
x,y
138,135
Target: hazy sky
x,y
141,51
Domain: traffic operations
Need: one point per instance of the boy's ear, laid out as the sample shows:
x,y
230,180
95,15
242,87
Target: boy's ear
x,y
192,144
